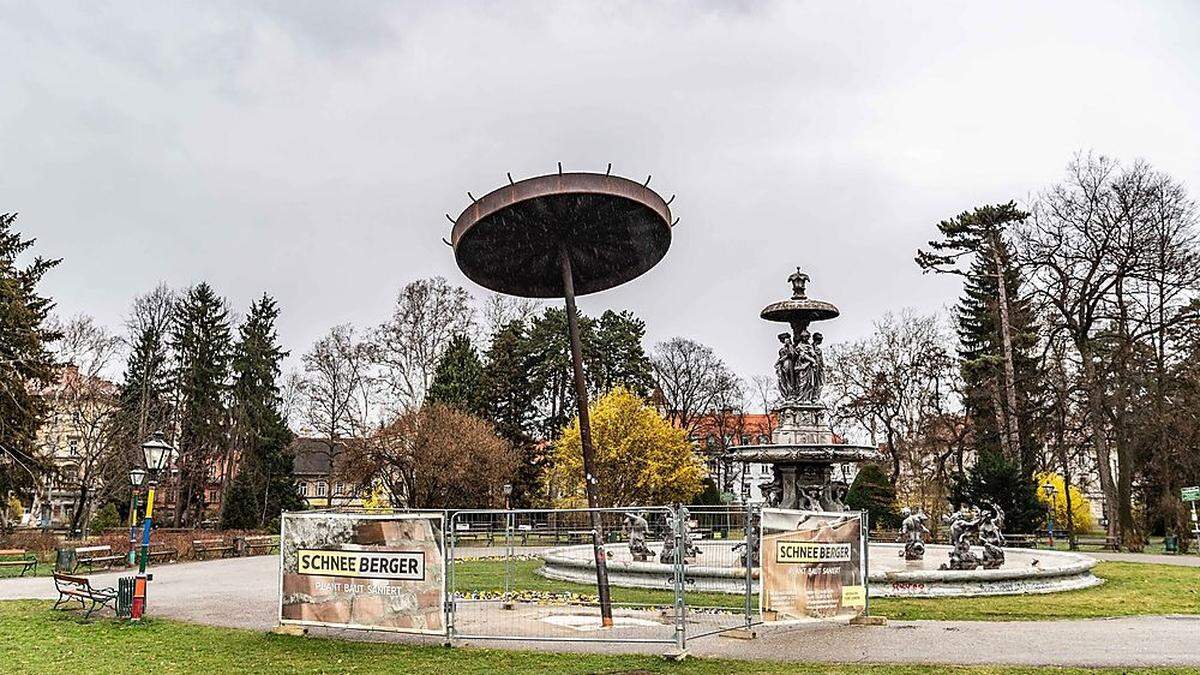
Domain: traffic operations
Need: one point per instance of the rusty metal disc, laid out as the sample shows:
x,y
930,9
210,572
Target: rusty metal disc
x,y
510,240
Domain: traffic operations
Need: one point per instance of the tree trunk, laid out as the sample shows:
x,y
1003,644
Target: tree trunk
x,y
1013,430
1096,422
80,507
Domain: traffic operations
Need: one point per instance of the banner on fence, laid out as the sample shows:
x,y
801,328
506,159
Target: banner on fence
x,y
348,570
812,565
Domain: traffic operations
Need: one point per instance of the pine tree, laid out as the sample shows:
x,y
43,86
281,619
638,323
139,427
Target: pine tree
x,y
509,405
997,337
458,378
25,361
263,486
146,388
200,338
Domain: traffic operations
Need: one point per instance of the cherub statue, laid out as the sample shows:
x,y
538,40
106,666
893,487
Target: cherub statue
x,y
636,527
913,531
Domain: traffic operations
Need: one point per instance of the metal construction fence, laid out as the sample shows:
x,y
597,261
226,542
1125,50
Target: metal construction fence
x,y
676,573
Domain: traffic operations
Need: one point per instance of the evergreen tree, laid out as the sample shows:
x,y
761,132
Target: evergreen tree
x,y
146,387
25,361
200,338
263,486
458,377
620,360
995,479
873,492
997,336
509,404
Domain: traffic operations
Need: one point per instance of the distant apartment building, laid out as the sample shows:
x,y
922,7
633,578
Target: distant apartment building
x,y
72,443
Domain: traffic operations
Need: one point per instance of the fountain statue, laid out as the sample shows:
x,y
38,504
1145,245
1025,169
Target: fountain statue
x,y
690,550
636,527
912,532
972,526
802,451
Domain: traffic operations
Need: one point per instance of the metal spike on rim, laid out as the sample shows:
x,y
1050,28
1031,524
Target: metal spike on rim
x,y
676,222
510,180
608,171
473,200
450,219
560,168
447,243
647,180
670,200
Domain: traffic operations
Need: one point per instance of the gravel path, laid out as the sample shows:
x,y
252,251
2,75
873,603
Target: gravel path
x,y
243,592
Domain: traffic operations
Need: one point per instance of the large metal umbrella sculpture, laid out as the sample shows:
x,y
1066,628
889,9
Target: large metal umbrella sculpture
x,y
564,235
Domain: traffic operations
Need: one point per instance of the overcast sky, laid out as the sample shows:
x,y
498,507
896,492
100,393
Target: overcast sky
x,y
310,149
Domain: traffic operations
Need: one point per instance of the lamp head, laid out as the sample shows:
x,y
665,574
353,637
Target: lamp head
x,y
157,451
137,476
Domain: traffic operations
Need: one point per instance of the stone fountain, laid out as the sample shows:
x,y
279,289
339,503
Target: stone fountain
x,y
802,452
802,455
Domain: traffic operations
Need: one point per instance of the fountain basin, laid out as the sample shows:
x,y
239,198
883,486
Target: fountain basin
x,y
889,574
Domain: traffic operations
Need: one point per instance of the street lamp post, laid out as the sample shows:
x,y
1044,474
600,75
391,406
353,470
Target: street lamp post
x,y
156,452
1050,491
137,478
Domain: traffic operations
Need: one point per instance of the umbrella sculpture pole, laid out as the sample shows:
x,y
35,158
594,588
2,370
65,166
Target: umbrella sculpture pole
x,y
558,236
585,440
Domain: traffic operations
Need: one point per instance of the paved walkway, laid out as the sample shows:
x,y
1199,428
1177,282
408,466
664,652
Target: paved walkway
x,y
243,593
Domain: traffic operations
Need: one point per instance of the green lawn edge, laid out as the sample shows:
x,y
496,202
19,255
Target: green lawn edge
x,y
37,639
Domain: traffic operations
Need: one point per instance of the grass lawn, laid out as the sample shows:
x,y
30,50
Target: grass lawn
x,y
43,569
1129,588
39,640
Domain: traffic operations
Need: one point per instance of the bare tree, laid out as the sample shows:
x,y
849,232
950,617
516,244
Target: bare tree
x,y
427,314
691,378
765,391
498,310
337,388
896,386
1111,254
85,406
433,457
293,399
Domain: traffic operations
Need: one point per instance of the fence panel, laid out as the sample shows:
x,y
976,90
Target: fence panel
x,y
720,589
370,571
530,575
813,565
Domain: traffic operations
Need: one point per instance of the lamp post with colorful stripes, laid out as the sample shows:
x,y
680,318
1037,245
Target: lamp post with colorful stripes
x,y
156,452
137,478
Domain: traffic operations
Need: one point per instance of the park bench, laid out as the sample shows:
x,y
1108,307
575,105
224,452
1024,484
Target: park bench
x,y
260,545
884,536
464,532
95,556
203,547
1021,540
1106,543
18,557
162,554
79,589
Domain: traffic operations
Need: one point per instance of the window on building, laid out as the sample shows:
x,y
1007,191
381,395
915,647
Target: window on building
x,y
73,447
307,489
339,489
321,488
